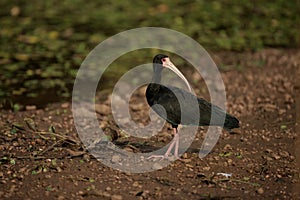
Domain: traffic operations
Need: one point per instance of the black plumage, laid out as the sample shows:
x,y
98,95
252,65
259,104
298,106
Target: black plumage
x,y
177,106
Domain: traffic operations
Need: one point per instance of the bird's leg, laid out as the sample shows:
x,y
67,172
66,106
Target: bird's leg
x,y
175,142
176,138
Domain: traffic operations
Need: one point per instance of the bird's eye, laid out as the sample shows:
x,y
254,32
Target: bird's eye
x,y
163,60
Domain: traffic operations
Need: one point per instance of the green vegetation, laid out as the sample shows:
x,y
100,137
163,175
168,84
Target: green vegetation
x,y
44,42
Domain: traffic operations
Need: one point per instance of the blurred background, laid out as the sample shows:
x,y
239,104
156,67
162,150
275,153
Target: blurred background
x,y
43,43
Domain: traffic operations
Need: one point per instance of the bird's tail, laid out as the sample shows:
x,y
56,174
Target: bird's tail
x,y
231,122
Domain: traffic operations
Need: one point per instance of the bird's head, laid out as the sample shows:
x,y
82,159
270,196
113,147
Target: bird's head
x,y
158,63
161,61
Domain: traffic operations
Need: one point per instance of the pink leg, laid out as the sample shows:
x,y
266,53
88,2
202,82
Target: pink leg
x,y
175,142
176,138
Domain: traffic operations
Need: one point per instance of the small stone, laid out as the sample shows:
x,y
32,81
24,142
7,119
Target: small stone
x,y
15,11
279,176
145,194
48,176
288,98
281,111
185,155
116,197
106,194
260,190
284,154
30,107
227,147
196,77
207,168
58,169
275,156
268,158
186,160
137,107
102,109
269,150
156,166
135,184
230,161
172,158
60,197
65,105
157,188
128,149
115,159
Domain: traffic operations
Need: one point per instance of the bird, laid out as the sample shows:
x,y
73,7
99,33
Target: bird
x,y
177,106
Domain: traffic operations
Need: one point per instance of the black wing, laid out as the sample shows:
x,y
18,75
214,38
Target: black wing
x,y
178,106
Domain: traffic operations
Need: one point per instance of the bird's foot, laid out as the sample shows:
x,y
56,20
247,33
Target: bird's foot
x,y
174,143
157,156
162,157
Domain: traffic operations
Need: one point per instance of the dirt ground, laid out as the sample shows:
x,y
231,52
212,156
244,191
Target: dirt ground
x,y
41,155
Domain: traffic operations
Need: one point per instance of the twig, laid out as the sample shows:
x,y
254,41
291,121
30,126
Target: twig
x,y
240,181
49,148
35,158
57,135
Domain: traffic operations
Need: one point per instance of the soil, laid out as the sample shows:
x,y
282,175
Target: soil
x,y
42,156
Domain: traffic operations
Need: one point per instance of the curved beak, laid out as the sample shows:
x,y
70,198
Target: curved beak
x,y
168,64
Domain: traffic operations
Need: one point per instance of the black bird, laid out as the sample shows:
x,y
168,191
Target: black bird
x,y
166,102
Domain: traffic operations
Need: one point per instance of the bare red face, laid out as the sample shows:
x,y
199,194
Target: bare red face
x,y
168,64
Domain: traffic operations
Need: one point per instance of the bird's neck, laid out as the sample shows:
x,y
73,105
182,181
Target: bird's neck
x,y
155,83
153,88
156,78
